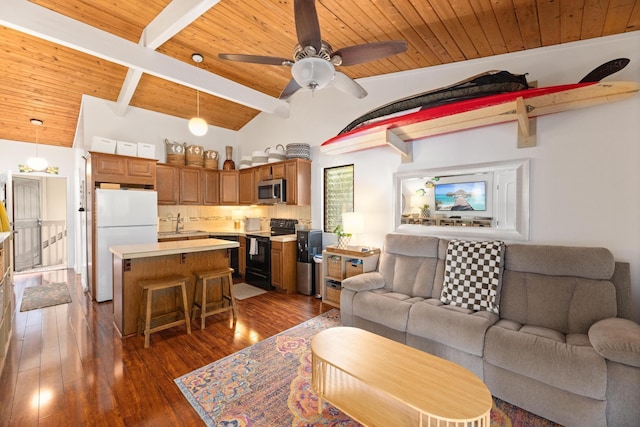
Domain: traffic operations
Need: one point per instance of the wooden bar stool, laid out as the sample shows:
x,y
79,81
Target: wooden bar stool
x,y
206,278
149,286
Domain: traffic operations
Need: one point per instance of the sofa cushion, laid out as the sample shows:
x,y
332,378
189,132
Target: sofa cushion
x,y
547,357
472,274
364,282
453,326
566,304
617,340
385,308
590,263
408,263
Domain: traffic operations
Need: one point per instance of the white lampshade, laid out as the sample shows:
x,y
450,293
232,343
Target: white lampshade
x,y
198,126
37,164
353,222
313,73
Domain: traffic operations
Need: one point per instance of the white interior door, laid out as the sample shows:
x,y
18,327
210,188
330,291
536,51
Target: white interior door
x,y
27,221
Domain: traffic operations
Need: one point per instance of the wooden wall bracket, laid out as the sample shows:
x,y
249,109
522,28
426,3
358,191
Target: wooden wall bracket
x,y
526,125
405,149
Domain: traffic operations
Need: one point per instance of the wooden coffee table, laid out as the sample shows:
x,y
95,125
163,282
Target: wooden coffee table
x,y
380,382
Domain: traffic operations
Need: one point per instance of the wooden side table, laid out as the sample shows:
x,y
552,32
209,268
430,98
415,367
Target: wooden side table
x,y
339,264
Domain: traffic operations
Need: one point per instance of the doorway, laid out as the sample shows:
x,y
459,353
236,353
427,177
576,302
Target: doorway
x,y
39,222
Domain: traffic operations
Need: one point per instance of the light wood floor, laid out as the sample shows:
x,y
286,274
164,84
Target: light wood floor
x,y
67,365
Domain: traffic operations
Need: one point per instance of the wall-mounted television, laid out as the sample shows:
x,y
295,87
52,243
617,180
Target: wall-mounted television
x,y
461,196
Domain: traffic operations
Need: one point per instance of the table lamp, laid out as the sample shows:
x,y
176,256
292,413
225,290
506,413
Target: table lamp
x,y
353,223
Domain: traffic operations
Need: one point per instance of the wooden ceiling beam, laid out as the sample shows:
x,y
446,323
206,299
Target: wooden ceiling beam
x,y
37,21
173,19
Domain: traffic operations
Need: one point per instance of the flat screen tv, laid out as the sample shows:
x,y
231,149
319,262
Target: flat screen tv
x,y
461,196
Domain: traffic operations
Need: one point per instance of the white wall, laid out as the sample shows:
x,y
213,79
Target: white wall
x,y
585,170
138,125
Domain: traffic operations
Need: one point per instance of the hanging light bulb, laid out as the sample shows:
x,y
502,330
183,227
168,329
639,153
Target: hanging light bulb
x,y
36,162
197,125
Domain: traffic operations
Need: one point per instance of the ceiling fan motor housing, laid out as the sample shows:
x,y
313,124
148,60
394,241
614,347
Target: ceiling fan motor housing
x,y
300,52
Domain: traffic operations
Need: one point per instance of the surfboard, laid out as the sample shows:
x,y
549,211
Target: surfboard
x,y
483,111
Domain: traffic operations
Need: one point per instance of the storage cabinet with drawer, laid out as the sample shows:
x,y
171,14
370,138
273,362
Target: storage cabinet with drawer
x,y
339,264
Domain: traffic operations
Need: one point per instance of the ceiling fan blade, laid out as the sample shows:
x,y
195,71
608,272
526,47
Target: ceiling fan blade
x,y
358,54
291,88
307,25
256,59
346,84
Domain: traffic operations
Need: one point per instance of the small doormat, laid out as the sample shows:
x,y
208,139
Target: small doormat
x,y
45,296
244,291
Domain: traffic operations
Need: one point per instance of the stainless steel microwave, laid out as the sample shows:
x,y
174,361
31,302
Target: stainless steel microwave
x,y
272,191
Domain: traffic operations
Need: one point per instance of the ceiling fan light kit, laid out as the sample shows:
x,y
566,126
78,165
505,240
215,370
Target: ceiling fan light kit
x,y
197,125
313,73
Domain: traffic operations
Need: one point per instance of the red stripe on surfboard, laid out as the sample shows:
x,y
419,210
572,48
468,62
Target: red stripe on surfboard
x,y
453,108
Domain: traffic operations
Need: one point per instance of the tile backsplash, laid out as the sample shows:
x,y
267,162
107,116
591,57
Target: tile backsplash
x,y
222,217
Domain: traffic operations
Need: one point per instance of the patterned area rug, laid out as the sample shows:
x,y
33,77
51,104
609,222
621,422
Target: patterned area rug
x,y
243,291
45,296
269,384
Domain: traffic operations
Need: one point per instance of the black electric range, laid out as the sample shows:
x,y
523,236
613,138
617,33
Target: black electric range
x,y
258,252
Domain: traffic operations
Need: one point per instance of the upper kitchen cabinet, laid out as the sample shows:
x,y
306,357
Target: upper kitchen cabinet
x,y
190,186
298,177
229,187
179,185
167,184
248,187
211,187
124,170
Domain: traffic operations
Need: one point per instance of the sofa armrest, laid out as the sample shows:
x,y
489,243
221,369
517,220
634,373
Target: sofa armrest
x,y
364,282
617,339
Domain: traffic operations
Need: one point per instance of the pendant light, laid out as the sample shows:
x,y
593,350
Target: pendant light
x,y
197,125
37,163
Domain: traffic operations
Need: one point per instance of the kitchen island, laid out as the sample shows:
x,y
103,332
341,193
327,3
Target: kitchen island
x,y
132,263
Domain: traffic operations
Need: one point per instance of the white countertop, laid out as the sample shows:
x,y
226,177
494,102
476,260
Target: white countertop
x,y
4,235
285,238
147,250
193,233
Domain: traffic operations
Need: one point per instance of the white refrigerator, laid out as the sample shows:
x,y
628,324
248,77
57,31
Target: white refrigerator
x,y
123,217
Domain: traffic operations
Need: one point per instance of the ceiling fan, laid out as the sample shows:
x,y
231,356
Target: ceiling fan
x,y
313,66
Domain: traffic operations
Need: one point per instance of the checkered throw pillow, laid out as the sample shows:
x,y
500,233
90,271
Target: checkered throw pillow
x,y
472,275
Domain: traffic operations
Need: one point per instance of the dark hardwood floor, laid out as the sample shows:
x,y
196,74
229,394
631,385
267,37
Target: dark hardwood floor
x,y
68,366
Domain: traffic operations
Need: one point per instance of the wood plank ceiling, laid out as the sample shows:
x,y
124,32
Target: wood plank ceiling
x,y
44,80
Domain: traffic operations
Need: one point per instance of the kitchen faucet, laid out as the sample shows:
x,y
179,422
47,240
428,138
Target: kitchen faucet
x,y
178,220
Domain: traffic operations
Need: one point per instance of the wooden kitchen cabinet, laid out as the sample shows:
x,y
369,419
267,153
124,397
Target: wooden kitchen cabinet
x,y
278,170
247,190
190,186
263,173
229,187
167,184
283,266
298,176
211,187
177,185
124,170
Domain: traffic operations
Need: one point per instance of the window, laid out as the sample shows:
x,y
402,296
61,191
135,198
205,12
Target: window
x,y
338,195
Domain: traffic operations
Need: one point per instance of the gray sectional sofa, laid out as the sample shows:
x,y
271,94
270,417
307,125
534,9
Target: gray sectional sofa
x,y
562,345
